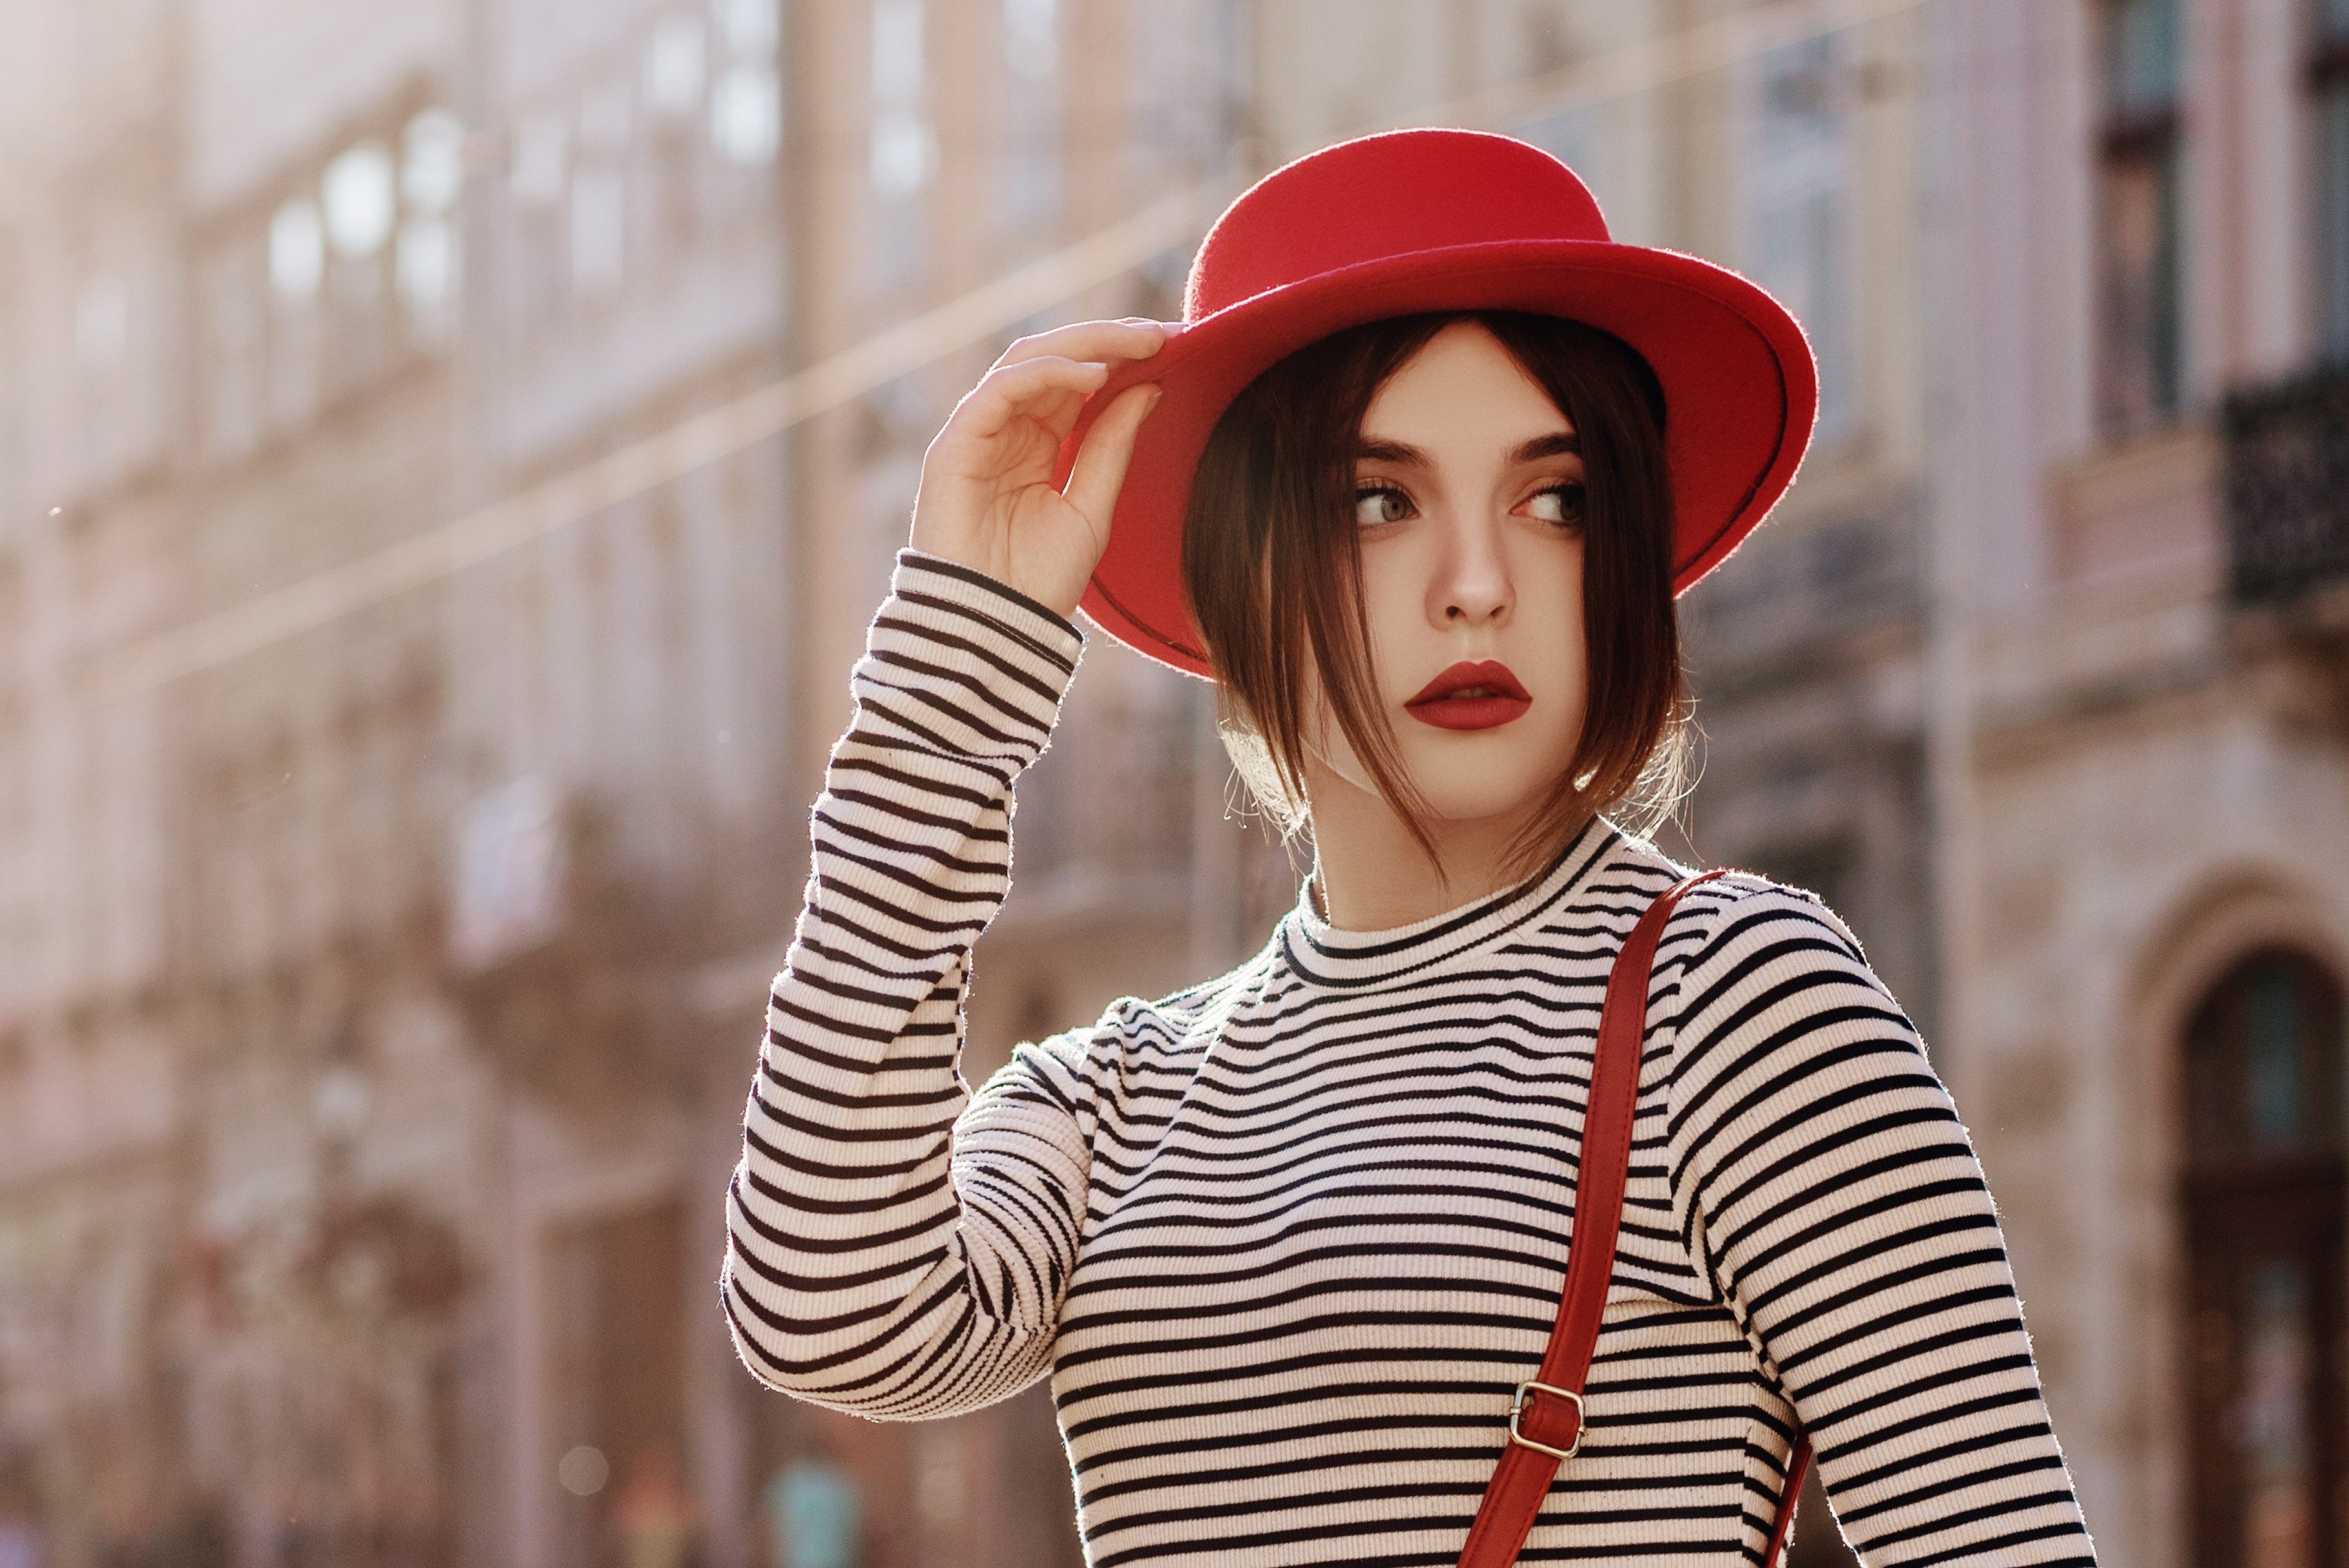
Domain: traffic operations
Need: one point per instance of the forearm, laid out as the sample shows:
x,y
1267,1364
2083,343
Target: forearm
x,y
848,1275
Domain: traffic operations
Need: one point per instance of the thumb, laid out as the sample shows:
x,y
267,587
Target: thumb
x,y
1108,447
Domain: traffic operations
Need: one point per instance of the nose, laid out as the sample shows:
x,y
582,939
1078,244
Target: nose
x,y
1470,585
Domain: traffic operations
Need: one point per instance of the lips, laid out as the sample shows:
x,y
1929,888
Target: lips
x,y
1470,695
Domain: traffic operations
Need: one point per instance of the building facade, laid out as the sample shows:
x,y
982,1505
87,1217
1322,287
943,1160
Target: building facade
x,y
404,755
2140,521
449,454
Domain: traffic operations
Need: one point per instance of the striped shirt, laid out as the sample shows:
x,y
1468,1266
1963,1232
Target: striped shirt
x,y
1287,1241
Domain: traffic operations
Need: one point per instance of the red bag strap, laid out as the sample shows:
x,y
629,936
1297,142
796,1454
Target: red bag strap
x,y
1797,1466
1546,1419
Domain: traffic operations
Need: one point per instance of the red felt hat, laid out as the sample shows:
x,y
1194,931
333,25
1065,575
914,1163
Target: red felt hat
x,y
1423,219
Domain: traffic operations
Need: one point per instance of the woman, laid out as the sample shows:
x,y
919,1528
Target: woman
x,y
1434,458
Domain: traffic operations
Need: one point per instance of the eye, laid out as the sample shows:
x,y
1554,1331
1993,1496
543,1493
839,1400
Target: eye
x,y
1380,503
1559,503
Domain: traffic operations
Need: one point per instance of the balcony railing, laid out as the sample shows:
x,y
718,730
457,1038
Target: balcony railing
x,y
2286,468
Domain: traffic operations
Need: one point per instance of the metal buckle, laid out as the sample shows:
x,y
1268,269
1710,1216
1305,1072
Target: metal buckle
x,y
1519,1409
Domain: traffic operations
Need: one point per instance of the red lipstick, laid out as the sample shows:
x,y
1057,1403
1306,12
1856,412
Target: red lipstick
x,y
1471,696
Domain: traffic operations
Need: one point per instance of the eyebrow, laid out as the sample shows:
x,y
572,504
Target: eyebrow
x,y
1557,443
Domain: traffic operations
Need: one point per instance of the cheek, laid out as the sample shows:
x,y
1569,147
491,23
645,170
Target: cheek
x,y
1394,602
1397,570
1560,642
1391,606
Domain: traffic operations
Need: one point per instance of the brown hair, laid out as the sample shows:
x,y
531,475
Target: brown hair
x,y
1271,563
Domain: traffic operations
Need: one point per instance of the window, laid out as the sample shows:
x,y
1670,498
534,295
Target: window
x,y
746,104
599,190
431,178
2263,1219
1032,116
1186,73
357,201
674,67
1798,232
353,269
676,96
2328,80
903,152
753,28
746,113
2141,341
624,174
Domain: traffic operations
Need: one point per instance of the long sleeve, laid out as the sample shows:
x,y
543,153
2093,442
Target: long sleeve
x,y
897,1245
1829,1187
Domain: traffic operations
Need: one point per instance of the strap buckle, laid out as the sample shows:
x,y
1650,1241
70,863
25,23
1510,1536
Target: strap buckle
x,y
1517,1409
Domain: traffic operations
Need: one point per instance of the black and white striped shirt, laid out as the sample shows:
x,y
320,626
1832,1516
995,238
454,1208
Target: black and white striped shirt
x,y
1287,1241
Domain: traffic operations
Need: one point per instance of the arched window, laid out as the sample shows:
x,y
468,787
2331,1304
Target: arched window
x,y
2263,1199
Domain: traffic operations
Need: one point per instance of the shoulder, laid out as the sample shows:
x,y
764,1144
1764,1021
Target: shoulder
x,y
1782,1048
1751,963
1743,919
1736,906
1770,999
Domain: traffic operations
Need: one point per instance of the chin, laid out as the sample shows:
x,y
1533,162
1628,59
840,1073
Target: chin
x,y
1468,788
1483,800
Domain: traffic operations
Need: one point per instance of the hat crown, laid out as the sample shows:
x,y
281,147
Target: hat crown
x,y
1385,195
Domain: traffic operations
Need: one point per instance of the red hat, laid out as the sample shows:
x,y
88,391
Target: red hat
x,y
1423,220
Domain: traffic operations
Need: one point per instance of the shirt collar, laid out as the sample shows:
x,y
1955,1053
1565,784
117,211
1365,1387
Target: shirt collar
x,y
1327,955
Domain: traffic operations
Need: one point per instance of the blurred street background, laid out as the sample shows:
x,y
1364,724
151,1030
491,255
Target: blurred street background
x,y
449,453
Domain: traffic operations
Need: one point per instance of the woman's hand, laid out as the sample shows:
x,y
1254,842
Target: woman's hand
x,y
987,499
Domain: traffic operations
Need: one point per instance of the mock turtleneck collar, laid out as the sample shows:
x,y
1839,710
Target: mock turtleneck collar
x,y
1324,954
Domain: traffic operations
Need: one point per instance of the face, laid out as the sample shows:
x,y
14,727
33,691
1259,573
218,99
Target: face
x,y
1468,497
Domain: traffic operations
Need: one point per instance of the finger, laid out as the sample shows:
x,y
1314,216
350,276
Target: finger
x,y
1108,448
1135,338
1130,338
1023,390
1058,415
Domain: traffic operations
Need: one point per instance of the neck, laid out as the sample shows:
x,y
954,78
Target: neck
x,y
1371,874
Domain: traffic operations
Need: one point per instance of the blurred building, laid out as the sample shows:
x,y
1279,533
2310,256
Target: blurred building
x,y
402,799
2139,498
449,456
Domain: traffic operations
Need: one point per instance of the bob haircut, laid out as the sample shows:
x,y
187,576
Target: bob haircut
x,y
1272,564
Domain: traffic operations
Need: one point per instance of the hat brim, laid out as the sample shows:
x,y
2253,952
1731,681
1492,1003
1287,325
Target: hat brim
x,y
1741,395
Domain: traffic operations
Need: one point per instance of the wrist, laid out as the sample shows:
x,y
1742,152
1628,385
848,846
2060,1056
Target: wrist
x,y
989,584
